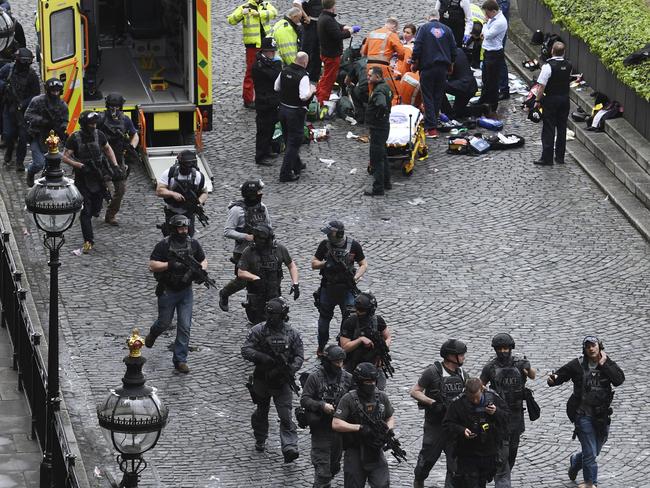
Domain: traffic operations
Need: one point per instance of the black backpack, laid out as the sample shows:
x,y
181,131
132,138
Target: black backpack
x,y
547,45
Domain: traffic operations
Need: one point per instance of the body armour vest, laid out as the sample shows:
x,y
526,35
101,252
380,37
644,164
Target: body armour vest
x,y
253,215
450,10
180,280
451,385
88,151
596,390
558,83
182,186
508,382
313,8
269,269
290,85
335,275
368,328
115,131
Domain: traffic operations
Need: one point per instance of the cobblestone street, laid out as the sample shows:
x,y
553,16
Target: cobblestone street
x,y
466,247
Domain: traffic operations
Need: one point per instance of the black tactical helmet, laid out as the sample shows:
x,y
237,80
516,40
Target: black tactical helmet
x,y
451,347
334,226
334,352
52,85
24,55
186,157
365,372
503,340
115,100
263,231
88,117
366,301
179,221
250,188
277,306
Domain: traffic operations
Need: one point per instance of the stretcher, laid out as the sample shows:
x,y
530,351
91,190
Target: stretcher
x,y
406,141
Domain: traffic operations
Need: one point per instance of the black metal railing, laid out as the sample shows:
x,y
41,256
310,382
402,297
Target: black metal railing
x,y
30,364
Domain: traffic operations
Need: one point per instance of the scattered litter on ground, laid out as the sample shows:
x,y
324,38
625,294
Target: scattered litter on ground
x,y
353,171
606,198
350,135
76,252
97,472
416,201
327,162
570,135
351,120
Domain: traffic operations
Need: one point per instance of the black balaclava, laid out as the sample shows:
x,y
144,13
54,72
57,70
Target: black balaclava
x,y
114,112
330,368
177,236
366,390
504,357
275,320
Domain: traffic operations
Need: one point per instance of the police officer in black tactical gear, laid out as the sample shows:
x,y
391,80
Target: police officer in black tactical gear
x,y
507,374
457,15
183,189
364,457
439,384
123,139
87,150
45,113
174,290
261,267
589,407
266,69
276,349
243,215
18,85
322,392
361,335
477,421
335,258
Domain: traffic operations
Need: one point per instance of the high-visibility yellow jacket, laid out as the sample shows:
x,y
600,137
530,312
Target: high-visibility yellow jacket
x,y
251,23
286,38
477,14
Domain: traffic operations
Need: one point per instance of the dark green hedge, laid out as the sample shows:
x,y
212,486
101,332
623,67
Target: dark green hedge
x,y
612,29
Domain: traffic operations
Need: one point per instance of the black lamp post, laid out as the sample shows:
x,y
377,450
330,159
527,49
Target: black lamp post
x,y
54,201
132,416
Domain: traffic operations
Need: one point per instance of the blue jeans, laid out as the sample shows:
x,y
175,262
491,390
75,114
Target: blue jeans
x,y
592,438
326,311
180,301
38,156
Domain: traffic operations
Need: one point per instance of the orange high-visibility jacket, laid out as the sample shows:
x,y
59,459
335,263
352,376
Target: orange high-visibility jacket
x,y
402,66
409,90
380,46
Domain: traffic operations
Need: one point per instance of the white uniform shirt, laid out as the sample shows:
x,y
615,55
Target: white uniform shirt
x,y
304,90
467,8
545,74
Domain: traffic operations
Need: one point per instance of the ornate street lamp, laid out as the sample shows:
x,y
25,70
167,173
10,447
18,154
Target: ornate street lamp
x,y
132,416
54,201
7,30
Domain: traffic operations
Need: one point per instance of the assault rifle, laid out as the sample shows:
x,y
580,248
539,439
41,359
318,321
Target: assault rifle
x,y
115,133
382,349
347,273
195,269
93,169
282,372
193,205
385,435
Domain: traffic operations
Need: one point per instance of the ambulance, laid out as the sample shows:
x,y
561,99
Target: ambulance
x,y
156,53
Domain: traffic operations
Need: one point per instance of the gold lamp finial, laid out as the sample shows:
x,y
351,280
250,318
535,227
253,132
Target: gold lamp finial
x,y
135,343
52,143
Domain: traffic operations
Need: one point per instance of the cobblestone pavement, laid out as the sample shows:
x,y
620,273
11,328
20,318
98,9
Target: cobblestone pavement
x,y
496,244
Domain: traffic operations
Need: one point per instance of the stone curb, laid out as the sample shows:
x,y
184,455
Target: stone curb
x,y
33,315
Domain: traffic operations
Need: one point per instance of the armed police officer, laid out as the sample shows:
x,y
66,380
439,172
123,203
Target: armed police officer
x,y
243,215
477,421
184,190
366,338
277,351
364,455
439,384
87,150
322,392
45,113
18,85
169,263
507,374
589,407
123,139
261,267
335,258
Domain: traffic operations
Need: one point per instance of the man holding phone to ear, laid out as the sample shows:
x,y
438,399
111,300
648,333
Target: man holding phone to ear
x,y
593,375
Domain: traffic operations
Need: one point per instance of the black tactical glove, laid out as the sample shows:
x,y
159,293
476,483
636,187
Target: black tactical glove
x,y
176,267
264,360
367,432
295,291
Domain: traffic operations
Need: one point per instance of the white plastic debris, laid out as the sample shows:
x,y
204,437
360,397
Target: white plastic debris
x,y
97,472
416,201
351,120
353,171
570,135
327,162
350,135
76,252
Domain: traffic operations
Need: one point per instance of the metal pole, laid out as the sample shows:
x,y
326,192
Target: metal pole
x,y
48,479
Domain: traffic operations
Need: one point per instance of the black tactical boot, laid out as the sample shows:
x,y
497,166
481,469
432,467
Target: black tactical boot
x,y
223,301
9,152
